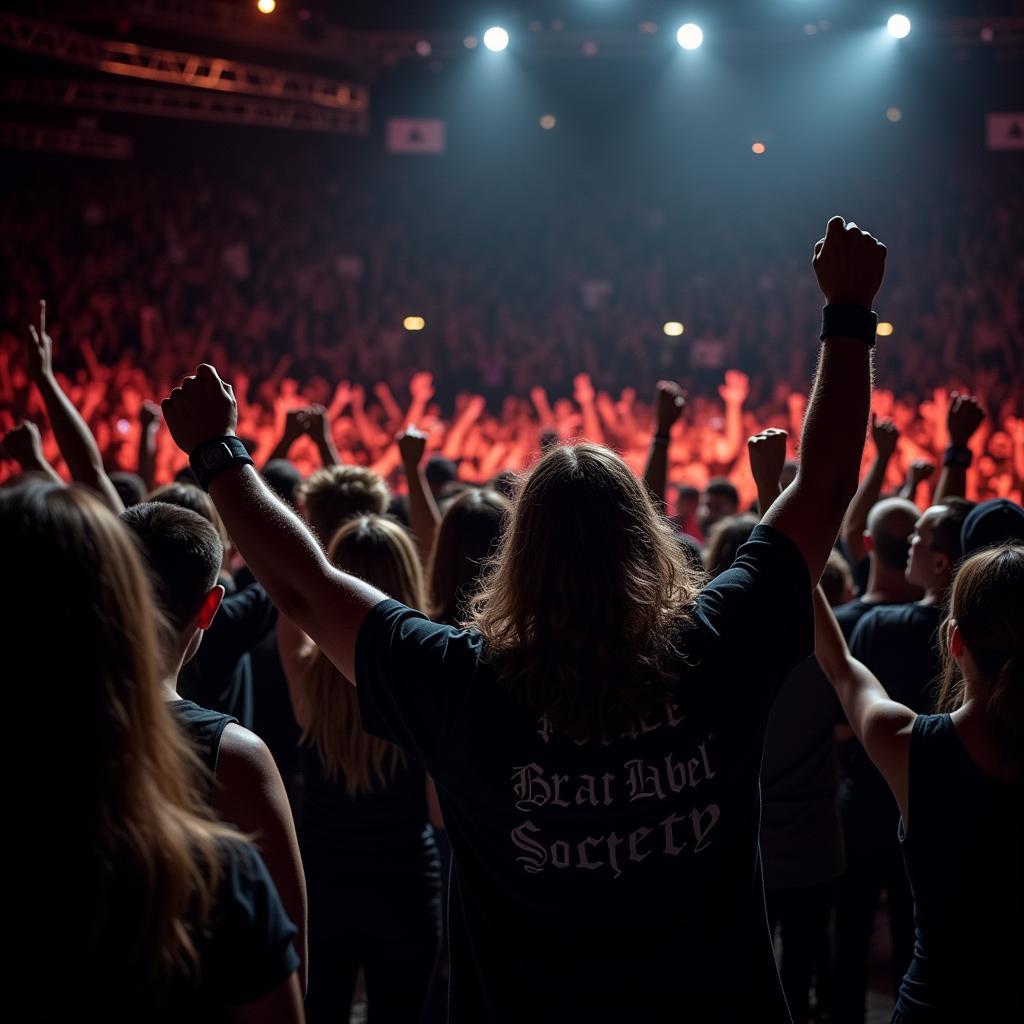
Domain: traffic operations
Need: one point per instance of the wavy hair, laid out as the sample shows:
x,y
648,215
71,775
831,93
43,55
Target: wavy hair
x,y
987,605
118,780
378,550
584,602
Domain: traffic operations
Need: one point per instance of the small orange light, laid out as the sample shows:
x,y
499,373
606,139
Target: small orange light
x,y
266,6
884,329
414,323
757,147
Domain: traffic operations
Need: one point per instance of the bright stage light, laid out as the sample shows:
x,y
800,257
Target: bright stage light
x,y
689,36
496,39
758,148
884,329
673,328
899,26
266,6
414,323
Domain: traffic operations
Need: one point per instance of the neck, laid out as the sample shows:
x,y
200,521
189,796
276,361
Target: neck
x,y
935,593
887,586
169,689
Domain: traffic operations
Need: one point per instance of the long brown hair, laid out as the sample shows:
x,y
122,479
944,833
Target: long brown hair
x,y
987,605
379,551
466,539
117,776
584,601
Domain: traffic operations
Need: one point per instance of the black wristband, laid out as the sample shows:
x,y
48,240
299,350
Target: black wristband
x,y
849,321
214,456
660,439
957,455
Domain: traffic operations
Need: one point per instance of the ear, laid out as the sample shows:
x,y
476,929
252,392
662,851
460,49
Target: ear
x,y
209,607
869,543
956,640
943,564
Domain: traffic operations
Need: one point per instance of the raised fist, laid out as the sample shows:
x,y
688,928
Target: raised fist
x,y
202,408
963,419
849,264
421,386
736,387
919,469
767,452
149,415
296,423
317,424
669,401
885,435
23,443
411,445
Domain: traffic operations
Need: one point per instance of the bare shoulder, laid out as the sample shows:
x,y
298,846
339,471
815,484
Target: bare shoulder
x,y
245,761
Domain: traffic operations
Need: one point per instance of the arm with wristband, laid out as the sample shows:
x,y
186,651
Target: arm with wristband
x,y
963,419
669,401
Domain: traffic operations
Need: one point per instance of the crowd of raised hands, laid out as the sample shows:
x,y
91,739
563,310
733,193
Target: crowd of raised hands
x,y
315,423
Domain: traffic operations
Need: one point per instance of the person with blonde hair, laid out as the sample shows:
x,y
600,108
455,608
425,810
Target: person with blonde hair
x,y
956,777
144,907
371,864
595,734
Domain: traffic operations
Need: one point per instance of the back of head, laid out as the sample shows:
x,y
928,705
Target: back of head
x,y
890,524
987,606
379,551
726,538
193,497
337,493
129,486
116,779
184,552
438,472
585,597
283,478
466,538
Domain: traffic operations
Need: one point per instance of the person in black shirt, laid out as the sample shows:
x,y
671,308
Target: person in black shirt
x,y
899,643
143,907
956,778
371,862
184,553
596,736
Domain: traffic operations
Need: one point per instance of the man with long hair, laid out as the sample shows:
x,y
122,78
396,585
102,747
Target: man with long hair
x,y
596,736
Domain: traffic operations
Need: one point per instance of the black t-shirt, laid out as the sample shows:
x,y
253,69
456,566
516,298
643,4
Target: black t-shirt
x,y
244,953
617,878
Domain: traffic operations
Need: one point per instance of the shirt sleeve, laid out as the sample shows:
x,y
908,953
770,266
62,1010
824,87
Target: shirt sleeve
x,y
252,952
760,610
412,679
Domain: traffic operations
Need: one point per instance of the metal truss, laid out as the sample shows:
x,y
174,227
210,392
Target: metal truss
x,y
175,68
73,141
186,104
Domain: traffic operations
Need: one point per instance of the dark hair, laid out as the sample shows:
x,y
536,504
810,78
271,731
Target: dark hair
x,y
724,489
987,605
947,526
725,539
507,483
282,478
582,605
335,494
184,553
466,538
690,492
130,487
440,471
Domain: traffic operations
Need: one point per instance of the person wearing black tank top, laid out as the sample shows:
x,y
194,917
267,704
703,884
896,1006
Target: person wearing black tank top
x,y
371,863
240,779
956,777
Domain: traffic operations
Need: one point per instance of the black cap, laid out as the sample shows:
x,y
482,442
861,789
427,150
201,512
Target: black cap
x,y
992,522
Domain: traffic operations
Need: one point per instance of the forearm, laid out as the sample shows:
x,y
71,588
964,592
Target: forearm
x,y
656,470
76,442
147,455
328,452
36,463
952,484
856,520
424,515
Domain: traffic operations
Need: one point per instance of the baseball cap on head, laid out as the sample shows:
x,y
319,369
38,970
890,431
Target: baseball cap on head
x,y
998,521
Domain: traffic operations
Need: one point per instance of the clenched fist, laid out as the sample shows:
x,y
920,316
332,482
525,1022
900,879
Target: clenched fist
x,y
849,264
767,452
202,408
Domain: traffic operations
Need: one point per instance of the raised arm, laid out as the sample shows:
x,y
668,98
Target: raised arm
x,y
424,516
669,401
23,444
917,472
767,452
295,425
963,419
327,604
849,264
149,426
884,435
74,438
882,725
318,426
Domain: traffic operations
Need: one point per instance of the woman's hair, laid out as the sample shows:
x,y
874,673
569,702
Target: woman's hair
x,y
466,539
725,539
987,605
379,551
138,844
583,604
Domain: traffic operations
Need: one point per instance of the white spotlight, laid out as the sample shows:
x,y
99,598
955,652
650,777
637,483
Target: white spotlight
x,y
899,26
496,39
690,36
